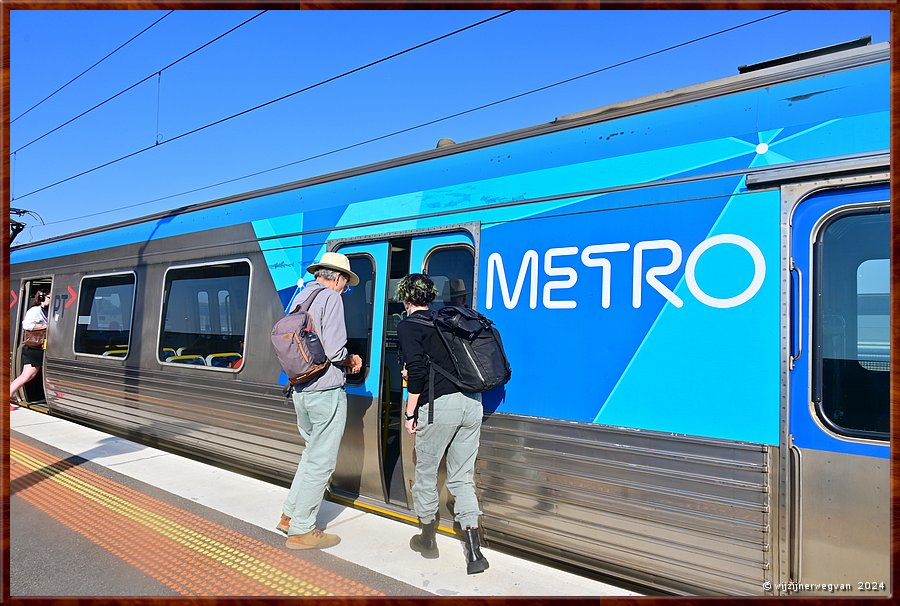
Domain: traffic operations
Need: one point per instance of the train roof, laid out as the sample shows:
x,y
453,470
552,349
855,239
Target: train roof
x,y
802,67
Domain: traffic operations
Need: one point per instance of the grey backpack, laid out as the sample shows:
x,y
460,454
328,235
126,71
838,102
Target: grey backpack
x,y
297,345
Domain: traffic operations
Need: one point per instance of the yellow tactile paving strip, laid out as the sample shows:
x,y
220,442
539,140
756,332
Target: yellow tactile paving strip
x,y
190,554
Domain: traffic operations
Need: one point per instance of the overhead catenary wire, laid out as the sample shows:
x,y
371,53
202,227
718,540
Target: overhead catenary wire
x,y
267,103
110,54
422,125
142,80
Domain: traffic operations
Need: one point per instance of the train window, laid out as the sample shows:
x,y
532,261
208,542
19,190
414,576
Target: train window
x,y
359,304
852,335
204,315
105,308
453,270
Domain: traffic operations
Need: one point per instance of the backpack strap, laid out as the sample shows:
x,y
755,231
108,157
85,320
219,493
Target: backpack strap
x,y
308,302
430,392
431,365
418,320
435,367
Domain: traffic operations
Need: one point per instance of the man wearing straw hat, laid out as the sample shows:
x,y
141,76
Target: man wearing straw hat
x,y
321,405
458,292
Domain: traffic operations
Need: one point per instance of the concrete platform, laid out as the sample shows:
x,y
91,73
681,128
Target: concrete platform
x,y
374,543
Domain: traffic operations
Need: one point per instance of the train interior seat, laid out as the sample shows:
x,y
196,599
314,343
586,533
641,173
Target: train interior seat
x,y
222,360
192,359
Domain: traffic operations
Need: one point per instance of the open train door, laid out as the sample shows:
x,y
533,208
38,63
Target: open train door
x,y
375,466
838,450
32,393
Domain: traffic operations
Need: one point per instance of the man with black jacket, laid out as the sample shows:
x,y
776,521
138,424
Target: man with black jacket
x,y
455,428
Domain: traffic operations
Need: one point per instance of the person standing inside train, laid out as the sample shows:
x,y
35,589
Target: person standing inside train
x,y
321,405
456,426
32,357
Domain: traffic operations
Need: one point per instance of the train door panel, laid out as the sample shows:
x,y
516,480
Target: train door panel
x,y
33,391
358,470
839,473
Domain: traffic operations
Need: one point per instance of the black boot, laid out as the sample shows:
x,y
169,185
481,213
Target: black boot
x,y
475,561
425,543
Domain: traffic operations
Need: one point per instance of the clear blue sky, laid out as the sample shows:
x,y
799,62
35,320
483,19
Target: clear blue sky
x,y
283,51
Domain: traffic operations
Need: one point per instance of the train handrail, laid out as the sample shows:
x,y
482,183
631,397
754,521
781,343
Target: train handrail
x,y
796,492
797,317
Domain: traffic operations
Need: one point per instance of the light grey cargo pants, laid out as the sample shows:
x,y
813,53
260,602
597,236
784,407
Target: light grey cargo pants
x,y
457,430
321,416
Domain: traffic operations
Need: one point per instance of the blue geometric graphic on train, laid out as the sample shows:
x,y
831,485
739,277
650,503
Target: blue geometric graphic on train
x,y
583,313
633,168
595,174
723,382
753,149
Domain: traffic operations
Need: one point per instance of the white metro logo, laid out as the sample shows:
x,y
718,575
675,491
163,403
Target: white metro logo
x,y
596,255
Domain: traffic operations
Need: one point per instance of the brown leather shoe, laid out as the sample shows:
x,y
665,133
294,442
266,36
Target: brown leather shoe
x,y
284,524
314,539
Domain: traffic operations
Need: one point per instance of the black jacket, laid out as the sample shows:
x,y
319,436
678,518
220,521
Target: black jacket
x,y
417,341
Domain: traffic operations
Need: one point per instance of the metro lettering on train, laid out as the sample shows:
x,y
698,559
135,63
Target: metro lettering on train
x,y
496,273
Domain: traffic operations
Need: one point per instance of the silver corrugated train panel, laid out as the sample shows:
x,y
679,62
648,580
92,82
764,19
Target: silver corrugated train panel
x,y
228,423
639,504
677,512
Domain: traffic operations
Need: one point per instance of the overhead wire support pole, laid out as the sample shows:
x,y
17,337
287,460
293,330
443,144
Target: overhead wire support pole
x,y
15,228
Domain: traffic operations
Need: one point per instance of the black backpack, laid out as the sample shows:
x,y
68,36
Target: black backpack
x,y
479,360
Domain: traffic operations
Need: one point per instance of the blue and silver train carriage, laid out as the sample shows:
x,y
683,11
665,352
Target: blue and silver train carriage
x,y
693,289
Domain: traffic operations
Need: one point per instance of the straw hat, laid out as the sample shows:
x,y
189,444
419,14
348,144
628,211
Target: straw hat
x,y
337,261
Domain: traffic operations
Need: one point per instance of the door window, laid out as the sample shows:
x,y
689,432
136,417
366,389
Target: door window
x,y
359,303
453,269
852,332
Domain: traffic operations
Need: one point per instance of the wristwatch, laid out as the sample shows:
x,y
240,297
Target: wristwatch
x,y
410,417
